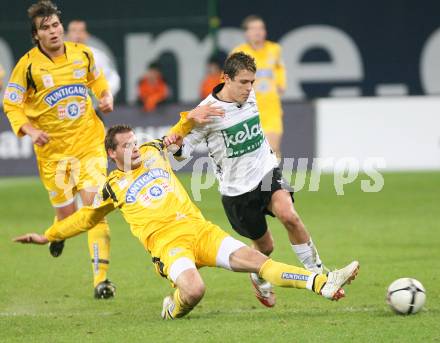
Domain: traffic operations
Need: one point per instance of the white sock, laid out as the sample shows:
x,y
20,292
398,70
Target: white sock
x,y
308,255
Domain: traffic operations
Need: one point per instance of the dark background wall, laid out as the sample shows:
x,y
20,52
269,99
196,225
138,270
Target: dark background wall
x,y
390,35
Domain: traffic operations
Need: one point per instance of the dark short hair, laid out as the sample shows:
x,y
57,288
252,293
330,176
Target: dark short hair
x,y
41,9
155,65
110,142
249,19
237,62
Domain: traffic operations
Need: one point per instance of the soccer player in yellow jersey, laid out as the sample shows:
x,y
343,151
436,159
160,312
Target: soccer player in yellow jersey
x,y
47,99
270,80
173,230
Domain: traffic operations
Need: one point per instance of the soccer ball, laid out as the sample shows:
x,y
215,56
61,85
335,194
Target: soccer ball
x,y
406,296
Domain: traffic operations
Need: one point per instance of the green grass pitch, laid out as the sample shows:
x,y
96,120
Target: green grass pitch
x,y
393,233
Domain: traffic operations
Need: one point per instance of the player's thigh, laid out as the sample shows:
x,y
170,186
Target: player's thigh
x,y
246,214
93,172
214,246
281,204
173,257
60,179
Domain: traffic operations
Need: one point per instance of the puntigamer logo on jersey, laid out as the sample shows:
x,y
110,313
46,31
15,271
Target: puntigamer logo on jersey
x,y
243,137
64,92
142,181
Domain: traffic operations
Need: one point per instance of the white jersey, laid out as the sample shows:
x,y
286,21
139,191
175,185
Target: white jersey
x,y
236,143
104,63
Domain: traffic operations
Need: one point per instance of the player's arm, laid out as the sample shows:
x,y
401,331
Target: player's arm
x,y
13,103
280,72
183,147
202,114
98,84
83,220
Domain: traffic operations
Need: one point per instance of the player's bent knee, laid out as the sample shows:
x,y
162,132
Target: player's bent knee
x,y
266,247
191,286
194,294
290,219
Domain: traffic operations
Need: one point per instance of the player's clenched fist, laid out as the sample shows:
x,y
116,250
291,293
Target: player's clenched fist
x,y
106,102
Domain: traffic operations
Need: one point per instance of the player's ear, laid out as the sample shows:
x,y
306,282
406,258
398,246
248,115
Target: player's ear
x,y
111,153
227,78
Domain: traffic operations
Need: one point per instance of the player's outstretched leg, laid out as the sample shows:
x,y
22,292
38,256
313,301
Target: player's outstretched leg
x,y
329,286
281,205
280,274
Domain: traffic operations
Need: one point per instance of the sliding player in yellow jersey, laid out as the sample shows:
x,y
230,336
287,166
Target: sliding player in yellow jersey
x,y
47,98
270,80
173,230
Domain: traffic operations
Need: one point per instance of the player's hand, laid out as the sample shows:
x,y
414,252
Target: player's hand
x,y
173,142
34,238
38,136
205,113
106,102
281,90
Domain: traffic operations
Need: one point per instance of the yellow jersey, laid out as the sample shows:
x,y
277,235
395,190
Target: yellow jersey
x,y
52,95
151,199
271,74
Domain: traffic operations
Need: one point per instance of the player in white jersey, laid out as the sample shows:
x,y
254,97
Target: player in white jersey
x,y
250,181
77,33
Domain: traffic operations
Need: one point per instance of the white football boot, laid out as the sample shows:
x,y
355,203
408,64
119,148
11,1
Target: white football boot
x,y
167,308
337,279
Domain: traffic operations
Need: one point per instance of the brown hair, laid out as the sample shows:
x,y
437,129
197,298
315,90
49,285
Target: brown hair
x,y
110,142
43,9
239,61
249,19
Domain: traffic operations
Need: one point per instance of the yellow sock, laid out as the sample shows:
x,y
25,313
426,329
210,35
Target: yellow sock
x,y
284,275
179,309
99,248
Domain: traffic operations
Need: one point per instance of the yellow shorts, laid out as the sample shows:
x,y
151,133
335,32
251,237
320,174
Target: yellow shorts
x,y
64,178
190,243
271,116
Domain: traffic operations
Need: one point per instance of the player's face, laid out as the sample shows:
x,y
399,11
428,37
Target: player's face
x,y
50,33
126,155
77,32
240,87
256,32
